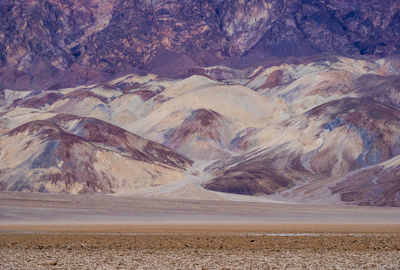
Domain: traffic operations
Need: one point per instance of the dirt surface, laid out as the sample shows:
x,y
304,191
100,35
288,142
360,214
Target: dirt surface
x,y
207,228
42,231
205,250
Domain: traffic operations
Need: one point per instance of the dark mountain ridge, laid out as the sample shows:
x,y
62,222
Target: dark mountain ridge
x,y
57,43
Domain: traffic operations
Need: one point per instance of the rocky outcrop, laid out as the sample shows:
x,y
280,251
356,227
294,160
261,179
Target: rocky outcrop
x,y
49,44
252,177
377,185
203,135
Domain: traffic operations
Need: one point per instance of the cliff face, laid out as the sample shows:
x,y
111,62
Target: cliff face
x,y
57,43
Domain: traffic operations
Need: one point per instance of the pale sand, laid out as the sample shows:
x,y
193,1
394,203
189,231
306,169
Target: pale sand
x,y
35,208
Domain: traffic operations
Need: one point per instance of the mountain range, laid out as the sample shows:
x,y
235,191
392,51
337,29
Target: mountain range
x,y
51,44
292,100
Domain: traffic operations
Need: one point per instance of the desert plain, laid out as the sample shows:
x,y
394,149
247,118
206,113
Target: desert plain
x,y
42,231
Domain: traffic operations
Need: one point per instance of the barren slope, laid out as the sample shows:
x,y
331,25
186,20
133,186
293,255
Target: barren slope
x,y
83,155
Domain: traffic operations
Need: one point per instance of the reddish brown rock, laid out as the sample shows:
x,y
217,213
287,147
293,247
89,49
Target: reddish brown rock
x,y
41,100
204,133
273,80
374,185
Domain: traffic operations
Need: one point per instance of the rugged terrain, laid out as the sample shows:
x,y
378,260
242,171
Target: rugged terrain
x,y
48,44
213,134
322,131
290,101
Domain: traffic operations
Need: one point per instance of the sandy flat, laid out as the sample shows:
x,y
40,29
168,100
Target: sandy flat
x,y
35,208
214,228
42,231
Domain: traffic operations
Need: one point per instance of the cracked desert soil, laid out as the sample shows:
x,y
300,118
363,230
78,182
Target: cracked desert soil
x,y
204,249
40,231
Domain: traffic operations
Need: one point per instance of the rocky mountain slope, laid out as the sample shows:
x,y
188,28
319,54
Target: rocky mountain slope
x,y
71,154
295,100
49,44
325,131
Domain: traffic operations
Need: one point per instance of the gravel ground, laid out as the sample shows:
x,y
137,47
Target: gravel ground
x,y
198,251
